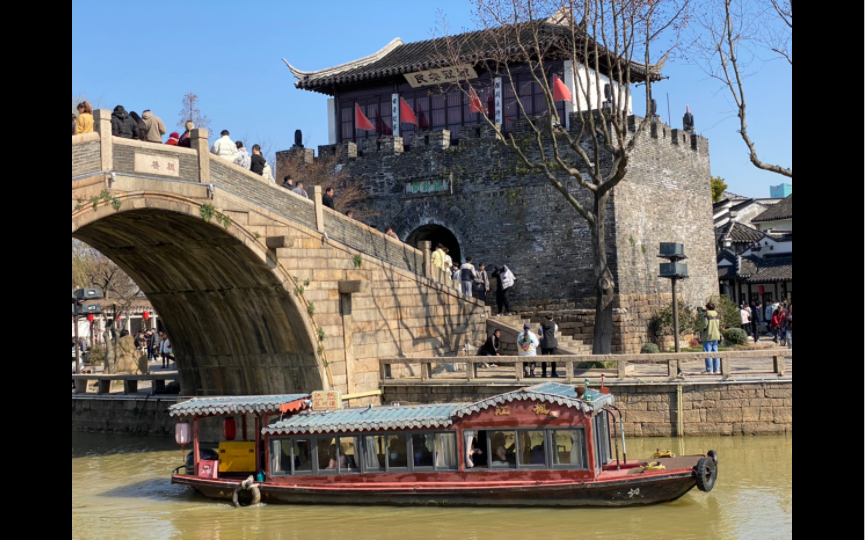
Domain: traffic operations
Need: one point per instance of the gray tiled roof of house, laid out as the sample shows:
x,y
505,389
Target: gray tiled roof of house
x,y
780,211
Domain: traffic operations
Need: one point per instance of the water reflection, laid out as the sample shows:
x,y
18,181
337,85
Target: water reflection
x,y
120,489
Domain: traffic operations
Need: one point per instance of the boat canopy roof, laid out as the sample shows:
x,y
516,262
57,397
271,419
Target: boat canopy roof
x,y
558,394
423,417
226,406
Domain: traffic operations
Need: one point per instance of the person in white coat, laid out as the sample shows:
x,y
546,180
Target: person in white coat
x,y
167,352
225,147
527,346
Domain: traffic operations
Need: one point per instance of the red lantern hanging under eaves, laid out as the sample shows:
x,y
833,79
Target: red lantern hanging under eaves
x,y
146,315
90,318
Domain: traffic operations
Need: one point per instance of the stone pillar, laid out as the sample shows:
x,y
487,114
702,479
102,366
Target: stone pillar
x,y
426,248
201,144
317,193
102,125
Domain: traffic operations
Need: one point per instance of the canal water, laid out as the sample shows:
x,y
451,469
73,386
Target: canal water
x,y
121,490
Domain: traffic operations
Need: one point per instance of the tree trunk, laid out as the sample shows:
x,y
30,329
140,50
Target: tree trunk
x,y
604,283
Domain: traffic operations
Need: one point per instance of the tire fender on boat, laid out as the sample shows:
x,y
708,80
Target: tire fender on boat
x,y
707,474
252,488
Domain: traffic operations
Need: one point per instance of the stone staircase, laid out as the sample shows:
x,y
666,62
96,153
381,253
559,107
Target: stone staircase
x,y
512,326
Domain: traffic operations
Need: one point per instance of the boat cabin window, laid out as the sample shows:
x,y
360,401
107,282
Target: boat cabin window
x,y
569,449
337,455
503,449
525,449
369,454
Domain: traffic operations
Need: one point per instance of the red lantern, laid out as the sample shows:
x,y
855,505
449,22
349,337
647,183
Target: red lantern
x,y
146,315
229,429
90,318
762,290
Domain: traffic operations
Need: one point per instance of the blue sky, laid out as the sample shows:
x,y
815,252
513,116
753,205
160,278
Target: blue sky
x,y
147,55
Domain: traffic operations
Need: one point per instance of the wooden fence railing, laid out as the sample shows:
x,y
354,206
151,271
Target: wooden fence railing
x,y
621,366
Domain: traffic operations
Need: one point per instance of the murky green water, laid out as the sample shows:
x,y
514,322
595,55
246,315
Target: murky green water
x,y
121,489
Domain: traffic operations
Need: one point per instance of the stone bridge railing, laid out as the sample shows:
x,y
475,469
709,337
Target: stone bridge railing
x,y
99,154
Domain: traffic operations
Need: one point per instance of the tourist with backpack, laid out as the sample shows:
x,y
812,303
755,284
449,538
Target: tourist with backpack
x,y
507,280
709,325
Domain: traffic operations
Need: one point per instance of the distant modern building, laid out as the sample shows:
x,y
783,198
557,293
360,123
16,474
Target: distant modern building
x,y
781,192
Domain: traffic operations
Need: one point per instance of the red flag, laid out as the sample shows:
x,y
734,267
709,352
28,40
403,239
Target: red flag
x,y
361,121
560,90
406,115
477,104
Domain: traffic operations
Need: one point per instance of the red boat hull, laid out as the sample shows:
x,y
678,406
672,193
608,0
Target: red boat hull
x,y
635,491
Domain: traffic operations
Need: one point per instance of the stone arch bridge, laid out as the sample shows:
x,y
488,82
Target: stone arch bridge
x,y
261,291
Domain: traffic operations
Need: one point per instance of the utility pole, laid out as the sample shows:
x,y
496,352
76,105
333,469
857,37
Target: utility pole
x,y
674,271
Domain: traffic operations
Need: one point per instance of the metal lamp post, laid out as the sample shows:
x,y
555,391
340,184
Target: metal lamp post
x,y
79,308
674,270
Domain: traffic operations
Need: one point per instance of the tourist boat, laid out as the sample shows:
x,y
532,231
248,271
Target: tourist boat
x,y
546,446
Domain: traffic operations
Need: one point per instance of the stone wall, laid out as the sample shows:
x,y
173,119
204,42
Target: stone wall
x,y
125,151
651,410
500,213
140,416
86,158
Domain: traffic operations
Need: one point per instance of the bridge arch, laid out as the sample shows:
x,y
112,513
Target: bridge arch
x,y
235,326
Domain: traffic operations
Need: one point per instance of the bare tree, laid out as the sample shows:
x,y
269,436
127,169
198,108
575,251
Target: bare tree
x,y
733,35
611,44
90,269
191,113
327,171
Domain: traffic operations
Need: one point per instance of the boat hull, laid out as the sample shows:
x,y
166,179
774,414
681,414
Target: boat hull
x,y
643,491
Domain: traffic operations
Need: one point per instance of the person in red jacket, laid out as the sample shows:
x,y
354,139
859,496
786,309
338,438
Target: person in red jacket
x,y
173,140
777,323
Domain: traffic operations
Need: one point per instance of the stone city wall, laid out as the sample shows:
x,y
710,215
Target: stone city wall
x,y
501,213
651,410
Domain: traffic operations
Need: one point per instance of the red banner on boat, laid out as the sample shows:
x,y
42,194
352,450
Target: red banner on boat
x,y
560,90
361,121
406,115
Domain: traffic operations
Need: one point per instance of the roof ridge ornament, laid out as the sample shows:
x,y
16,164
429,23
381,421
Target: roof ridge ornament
x,y
361,62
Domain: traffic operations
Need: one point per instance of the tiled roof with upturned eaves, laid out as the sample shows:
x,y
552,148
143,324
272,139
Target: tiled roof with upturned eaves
x,y
225,406
399,58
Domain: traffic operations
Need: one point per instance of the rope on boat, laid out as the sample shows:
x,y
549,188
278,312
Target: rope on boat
x,y
665,454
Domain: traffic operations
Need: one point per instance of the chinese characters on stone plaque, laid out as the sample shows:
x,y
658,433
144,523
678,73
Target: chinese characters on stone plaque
x,y
157,165
441,76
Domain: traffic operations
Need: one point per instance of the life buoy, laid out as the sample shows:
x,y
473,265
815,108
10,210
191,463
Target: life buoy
x,y
246,494
707,474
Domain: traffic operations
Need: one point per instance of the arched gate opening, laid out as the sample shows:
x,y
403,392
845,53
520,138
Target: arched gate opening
x,y
436,234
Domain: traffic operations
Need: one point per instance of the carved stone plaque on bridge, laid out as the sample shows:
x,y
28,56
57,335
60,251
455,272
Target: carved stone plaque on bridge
x,y
153,164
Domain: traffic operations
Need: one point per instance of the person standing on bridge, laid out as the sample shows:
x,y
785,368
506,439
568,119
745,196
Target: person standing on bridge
x,y
439,258
84,124
327,199
243,158
258,161
154,128
468,275
173,139
185,141
225,147
122,125
300,191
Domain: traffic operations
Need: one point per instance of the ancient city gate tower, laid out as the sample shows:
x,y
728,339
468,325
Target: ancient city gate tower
x,y
448,180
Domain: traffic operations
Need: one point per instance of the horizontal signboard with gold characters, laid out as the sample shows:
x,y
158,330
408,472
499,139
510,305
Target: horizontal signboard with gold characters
x,y
441,76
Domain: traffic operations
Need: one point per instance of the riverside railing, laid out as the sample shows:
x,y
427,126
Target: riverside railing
x,y
423,370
